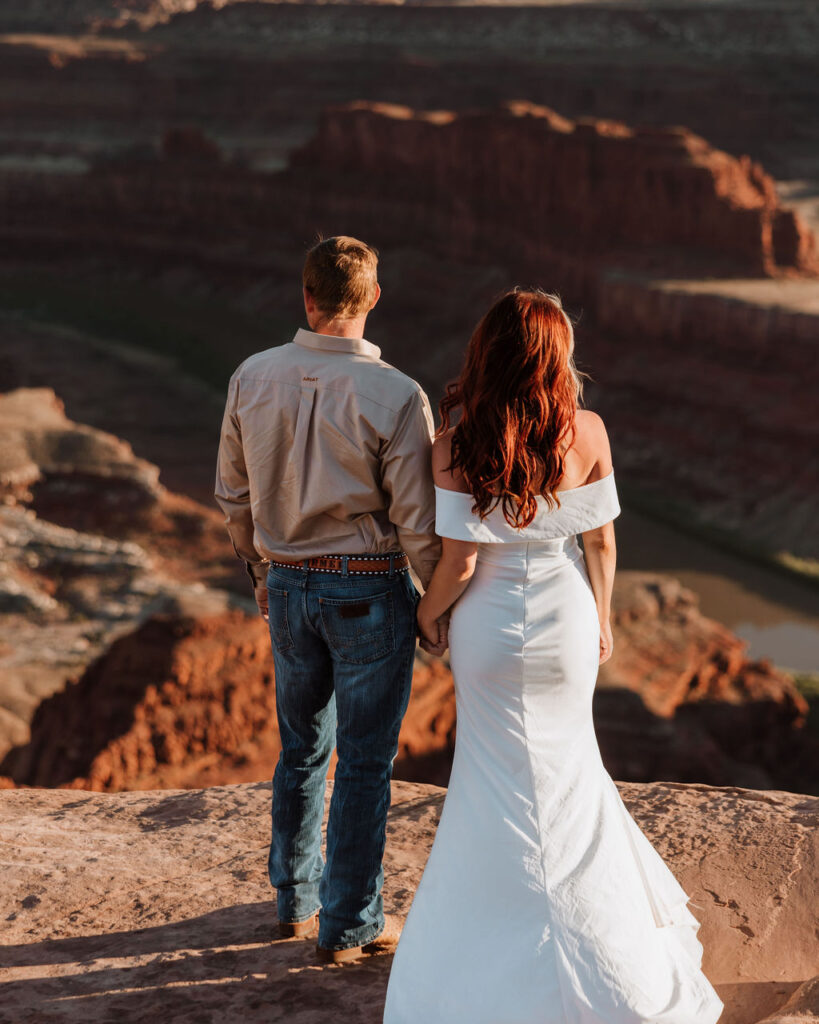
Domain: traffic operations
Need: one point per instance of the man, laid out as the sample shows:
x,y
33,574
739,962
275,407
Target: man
x,y
324,477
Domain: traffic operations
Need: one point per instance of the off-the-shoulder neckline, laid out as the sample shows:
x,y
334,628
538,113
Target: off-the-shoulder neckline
x,y
569,490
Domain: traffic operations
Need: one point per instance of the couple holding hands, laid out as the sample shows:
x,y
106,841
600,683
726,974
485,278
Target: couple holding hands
x,y
542,901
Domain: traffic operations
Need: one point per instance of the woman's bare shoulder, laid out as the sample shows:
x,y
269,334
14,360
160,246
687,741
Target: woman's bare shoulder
x,y
591,444
442,475
589,424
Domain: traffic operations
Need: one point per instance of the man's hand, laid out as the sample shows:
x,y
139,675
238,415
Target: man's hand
x,y
260,593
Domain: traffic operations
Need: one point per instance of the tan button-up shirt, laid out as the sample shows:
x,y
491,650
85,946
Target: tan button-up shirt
x,y
325,449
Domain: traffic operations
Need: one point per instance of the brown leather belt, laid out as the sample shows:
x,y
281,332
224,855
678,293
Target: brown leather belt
x,y
356,564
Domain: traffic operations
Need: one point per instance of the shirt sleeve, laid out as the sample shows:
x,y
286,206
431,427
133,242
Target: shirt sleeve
x,y
406,477
232,491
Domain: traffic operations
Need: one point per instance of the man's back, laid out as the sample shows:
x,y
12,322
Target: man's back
x,y
326,448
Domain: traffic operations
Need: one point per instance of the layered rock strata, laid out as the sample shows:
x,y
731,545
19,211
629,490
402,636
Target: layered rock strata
x,y
466,203
120,669
573,191
188,698
91,545
554,190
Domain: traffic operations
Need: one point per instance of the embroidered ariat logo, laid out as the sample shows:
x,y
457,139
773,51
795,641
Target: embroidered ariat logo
x,y
311,379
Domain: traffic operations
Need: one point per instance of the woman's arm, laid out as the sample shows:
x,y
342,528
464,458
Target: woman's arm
x,y
457,563
450,579
598,545
601,559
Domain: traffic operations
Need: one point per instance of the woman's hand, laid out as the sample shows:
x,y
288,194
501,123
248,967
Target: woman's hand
x,y
427,626
434,632
606,641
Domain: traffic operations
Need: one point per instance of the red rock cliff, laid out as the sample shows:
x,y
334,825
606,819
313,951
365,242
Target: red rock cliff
x,y
583,188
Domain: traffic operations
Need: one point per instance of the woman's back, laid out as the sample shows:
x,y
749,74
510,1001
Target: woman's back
x,y
542,901
587,458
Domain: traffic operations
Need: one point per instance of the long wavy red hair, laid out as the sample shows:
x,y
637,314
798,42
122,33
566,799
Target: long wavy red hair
x,y
518,394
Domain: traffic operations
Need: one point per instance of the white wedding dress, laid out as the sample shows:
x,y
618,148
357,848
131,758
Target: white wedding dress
x,y
542,901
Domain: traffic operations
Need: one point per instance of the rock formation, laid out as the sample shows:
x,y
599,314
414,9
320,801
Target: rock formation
x,y
801,1008
85,479
168,416
68,472
137,905
705,711
598,210
187,698
601,213
553,190
119,669
574,196
123,548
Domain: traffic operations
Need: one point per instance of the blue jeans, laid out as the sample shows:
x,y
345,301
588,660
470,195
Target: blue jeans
x,y
343,650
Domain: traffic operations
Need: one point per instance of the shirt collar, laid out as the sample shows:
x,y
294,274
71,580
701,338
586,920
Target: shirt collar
x,y
330,343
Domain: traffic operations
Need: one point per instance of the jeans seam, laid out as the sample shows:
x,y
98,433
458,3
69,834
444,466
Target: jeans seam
x,y
306,614
287,635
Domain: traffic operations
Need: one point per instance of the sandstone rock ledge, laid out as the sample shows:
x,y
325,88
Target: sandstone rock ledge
x,y
155,905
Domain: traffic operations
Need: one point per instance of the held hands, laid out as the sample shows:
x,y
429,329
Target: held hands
x,y
434,633
606,641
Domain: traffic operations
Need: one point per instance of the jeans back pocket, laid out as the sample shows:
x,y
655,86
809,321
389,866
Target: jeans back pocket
x,y
359,629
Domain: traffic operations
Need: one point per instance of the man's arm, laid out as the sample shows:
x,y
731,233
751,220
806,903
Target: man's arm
x,y
232,491
406,476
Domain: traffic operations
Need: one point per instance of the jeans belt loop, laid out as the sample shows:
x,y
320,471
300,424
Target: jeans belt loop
x,y
304,565
344,565
392,566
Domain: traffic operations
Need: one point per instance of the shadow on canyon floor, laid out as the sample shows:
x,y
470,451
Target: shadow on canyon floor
x,y
230,960
241,925
230,964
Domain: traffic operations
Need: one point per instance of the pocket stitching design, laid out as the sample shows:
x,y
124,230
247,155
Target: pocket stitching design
x,y
347,648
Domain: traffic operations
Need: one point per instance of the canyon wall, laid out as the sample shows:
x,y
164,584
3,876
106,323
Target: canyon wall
x,y
465,204
523,177
120,668
515,185
705,376
91,545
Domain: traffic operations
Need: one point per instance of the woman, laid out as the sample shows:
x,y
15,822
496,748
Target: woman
x,y
542,901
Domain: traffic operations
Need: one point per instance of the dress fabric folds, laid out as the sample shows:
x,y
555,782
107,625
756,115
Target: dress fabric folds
x,y
542,901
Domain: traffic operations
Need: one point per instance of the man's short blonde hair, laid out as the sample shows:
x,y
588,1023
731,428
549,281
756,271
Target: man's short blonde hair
x,y
340,275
